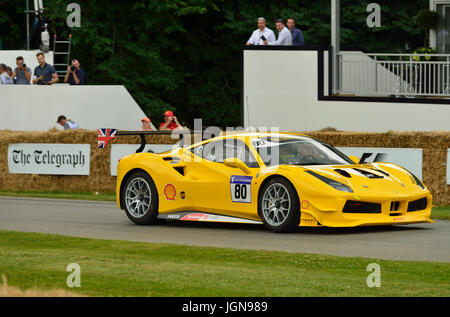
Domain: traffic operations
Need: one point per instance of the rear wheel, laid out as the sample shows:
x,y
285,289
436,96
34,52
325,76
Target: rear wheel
x,y
278,205
140,199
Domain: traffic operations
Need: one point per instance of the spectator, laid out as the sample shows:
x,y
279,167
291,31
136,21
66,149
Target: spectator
x,y
44,74
147,125
75,74
67,123
170,122
284,36
22,73
5,78
297,34
261,34
9,71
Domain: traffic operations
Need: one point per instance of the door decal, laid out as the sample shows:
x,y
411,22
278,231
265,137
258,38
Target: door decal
x,y
240,188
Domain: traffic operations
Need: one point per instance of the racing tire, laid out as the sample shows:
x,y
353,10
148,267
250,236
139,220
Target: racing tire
x,y
140,199
278,205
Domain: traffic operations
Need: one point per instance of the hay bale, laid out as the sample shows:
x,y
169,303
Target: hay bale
x,y
11,291
434,145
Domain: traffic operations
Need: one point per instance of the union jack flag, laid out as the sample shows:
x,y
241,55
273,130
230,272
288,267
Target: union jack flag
x,y
104,136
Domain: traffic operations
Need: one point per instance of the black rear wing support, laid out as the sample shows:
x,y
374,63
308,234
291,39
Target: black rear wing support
x,y
107,135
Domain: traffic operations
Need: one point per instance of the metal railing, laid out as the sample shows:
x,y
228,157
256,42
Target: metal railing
x,y
407,75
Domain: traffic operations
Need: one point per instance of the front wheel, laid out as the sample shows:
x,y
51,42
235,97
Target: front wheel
x,y
278,205
140,199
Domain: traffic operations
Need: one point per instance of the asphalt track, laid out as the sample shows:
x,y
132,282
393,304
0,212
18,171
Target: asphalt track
x,y
103,220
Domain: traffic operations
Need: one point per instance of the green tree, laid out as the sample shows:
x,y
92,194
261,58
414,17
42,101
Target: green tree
x,y
185,55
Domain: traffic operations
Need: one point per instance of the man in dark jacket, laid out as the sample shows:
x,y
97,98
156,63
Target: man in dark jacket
x,y
297,35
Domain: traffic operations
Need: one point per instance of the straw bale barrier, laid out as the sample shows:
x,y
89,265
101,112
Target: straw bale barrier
x,y
434,145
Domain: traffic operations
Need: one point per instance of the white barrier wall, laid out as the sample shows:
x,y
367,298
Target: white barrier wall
x,y
36,108
280,89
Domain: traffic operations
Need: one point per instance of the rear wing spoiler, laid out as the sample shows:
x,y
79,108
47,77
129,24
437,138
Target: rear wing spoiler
x,y
105,136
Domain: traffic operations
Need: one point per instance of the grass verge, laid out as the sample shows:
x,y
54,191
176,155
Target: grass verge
x,y
102,196
120,268
441,213
438,213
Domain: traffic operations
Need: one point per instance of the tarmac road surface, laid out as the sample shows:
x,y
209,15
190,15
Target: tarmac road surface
x,y
103,220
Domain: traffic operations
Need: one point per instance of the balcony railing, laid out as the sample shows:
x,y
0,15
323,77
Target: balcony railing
x,y
407,75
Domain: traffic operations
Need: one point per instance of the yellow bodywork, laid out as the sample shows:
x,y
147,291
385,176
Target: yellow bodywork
x,y
204,186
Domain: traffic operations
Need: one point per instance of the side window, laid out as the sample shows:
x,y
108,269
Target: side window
x,y
237,149
212,151
198,150
217,151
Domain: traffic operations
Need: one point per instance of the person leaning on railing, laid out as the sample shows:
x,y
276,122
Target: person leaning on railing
x,y
68,124
284,35
261,34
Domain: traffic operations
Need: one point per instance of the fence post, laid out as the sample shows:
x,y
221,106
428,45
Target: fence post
x,y
376,75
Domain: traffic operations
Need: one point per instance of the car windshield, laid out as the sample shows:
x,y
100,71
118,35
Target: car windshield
x,y
294,150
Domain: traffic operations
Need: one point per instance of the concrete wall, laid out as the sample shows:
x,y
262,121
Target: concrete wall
x,y
36,108
280,89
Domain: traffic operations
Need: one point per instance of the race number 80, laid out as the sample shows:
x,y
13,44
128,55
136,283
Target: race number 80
x,y
240,188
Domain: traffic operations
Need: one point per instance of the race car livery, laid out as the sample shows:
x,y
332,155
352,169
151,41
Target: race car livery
x,y
282,180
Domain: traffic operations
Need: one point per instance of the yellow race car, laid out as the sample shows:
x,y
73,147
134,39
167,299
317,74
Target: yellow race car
x,y
282,180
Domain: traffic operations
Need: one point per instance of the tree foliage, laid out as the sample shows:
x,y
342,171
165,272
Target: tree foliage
x,y
185,55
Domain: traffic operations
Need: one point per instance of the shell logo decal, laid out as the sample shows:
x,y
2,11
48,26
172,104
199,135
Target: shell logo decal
x,y
305,204
170,192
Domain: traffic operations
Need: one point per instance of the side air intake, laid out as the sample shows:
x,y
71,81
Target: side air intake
x,y
417,205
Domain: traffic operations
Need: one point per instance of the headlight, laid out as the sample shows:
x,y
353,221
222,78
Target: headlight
x,y
332,182
417,181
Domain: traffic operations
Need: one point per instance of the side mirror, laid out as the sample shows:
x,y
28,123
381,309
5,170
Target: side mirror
x,y
236,163
354,159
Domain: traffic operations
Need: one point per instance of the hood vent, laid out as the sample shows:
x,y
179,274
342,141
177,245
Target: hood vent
x,y
381,171
343,173
368,174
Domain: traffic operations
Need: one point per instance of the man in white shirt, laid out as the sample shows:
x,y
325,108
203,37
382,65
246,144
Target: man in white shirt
x,y
261,34
284,35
